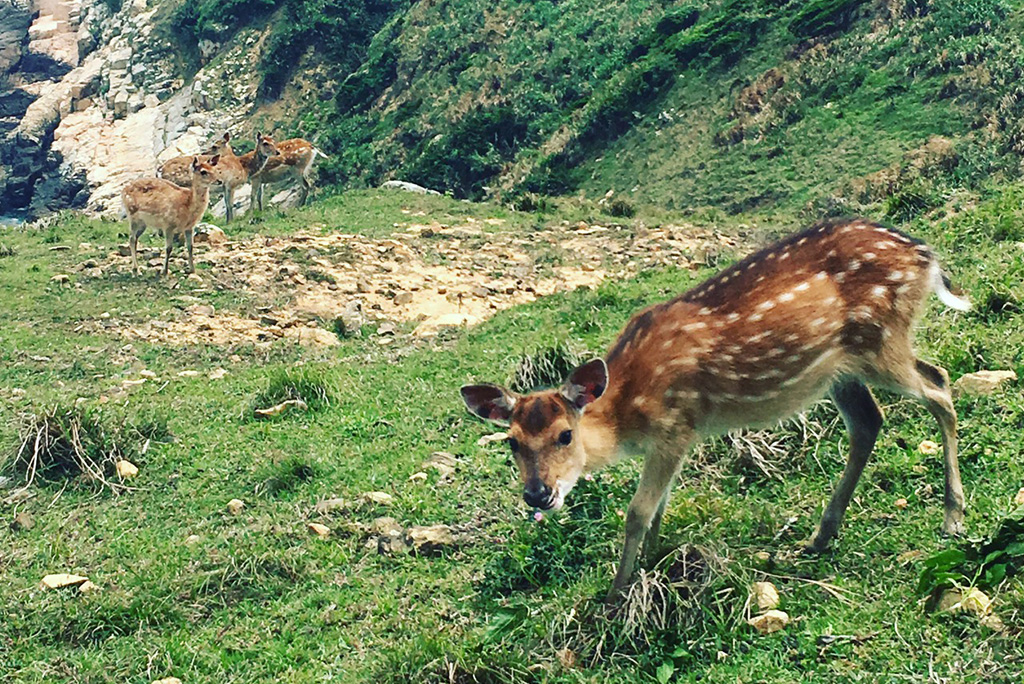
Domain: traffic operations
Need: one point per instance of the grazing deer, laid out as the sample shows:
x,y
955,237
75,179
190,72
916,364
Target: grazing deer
x,y
235,170
828,309
162,205
294,162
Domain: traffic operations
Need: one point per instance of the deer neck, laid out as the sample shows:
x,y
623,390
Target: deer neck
x,y
253,162
600,434
199,199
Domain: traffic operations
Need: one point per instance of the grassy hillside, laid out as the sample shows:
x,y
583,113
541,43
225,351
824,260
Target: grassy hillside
x,y
738,105
187,589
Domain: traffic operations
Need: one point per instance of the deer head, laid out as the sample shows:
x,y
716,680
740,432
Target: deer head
x,y
542,429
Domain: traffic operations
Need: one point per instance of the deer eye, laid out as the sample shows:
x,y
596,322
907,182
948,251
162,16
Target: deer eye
x,y
513,444
565,438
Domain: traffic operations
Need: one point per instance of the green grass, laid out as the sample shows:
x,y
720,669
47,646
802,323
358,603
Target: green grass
x,y
188,590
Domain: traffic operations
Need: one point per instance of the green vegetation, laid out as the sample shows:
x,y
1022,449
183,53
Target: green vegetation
x,y
187,589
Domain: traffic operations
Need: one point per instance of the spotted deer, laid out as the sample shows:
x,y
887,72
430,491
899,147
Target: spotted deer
x,y
830,309
162,205
235,170
294,163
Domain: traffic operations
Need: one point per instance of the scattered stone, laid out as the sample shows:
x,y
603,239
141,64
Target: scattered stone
x,y
418,477
765,595
235,506
982,383
769,622
61,580
128,384
973,601
443,462
281,408
389,546
126,469
23,522
192,539
408,187
167,680
329,505
928,448
403,298
312,337
87,587
493,437
188,374
217,374
124,250
386,526
322,531
901,504
211,234
431,538
1019,498
379,498
60,279
148,374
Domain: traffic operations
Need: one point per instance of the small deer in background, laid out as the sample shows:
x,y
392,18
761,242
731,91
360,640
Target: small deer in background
x,y
294,162
831,309
162,205
235,170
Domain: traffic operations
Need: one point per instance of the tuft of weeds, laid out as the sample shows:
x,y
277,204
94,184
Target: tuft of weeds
x,y
305,384
65,442
7,251
286,477
546,367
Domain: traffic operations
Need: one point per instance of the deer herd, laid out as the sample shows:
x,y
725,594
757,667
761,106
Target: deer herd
x,y
175,200
830,310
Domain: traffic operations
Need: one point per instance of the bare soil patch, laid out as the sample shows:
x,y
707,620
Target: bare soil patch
x,y
426,273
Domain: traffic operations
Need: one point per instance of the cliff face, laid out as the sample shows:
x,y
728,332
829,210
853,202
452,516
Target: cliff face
x,y
91,99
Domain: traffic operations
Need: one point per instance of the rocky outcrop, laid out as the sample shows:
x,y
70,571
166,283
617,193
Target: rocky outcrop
x,y
15,18
96,102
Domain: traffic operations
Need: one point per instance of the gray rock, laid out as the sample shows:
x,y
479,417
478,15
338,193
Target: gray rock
x,y
408,187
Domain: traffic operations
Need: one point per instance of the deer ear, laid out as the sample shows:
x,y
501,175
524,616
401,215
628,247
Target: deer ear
x,y
490,402
195,163
214,160
586,384
259,136
227,136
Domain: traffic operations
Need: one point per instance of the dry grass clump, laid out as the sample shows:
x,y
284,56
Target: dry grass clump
x,y
548,367
61,442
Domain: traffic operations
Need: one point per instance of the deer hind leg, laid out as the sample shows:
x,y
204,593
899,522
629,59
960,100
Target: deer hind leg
x,y
305,185
256,196
863,419
660,469
929,385
937,398
169,240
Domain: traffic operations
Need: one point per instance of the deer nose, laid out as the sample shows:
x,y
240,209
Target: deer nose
x,y
538,495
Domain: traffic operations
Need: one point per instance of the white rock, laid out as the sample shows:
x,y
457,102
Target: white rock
x,y
983,383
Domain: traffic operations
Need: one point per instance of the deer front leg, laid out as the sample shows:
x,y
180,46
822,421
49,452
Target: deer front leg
x,y
229,203
188,247
133,244
863,420
659,472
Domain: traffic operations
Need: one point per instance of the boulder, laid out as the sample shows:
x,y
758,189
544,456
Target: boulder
x,y
983,383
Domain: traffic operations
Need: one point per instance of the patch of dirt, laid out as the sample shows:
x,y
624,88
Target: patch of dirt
x,y
427,273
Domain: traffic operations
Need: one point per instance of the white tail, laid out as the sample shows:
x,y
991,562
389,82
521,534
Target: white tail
x,y
831,309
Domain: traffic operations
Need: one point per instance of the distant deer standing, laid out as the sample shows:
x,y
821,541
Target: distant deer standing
x,y
162,205
294,162
829,309
235,170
